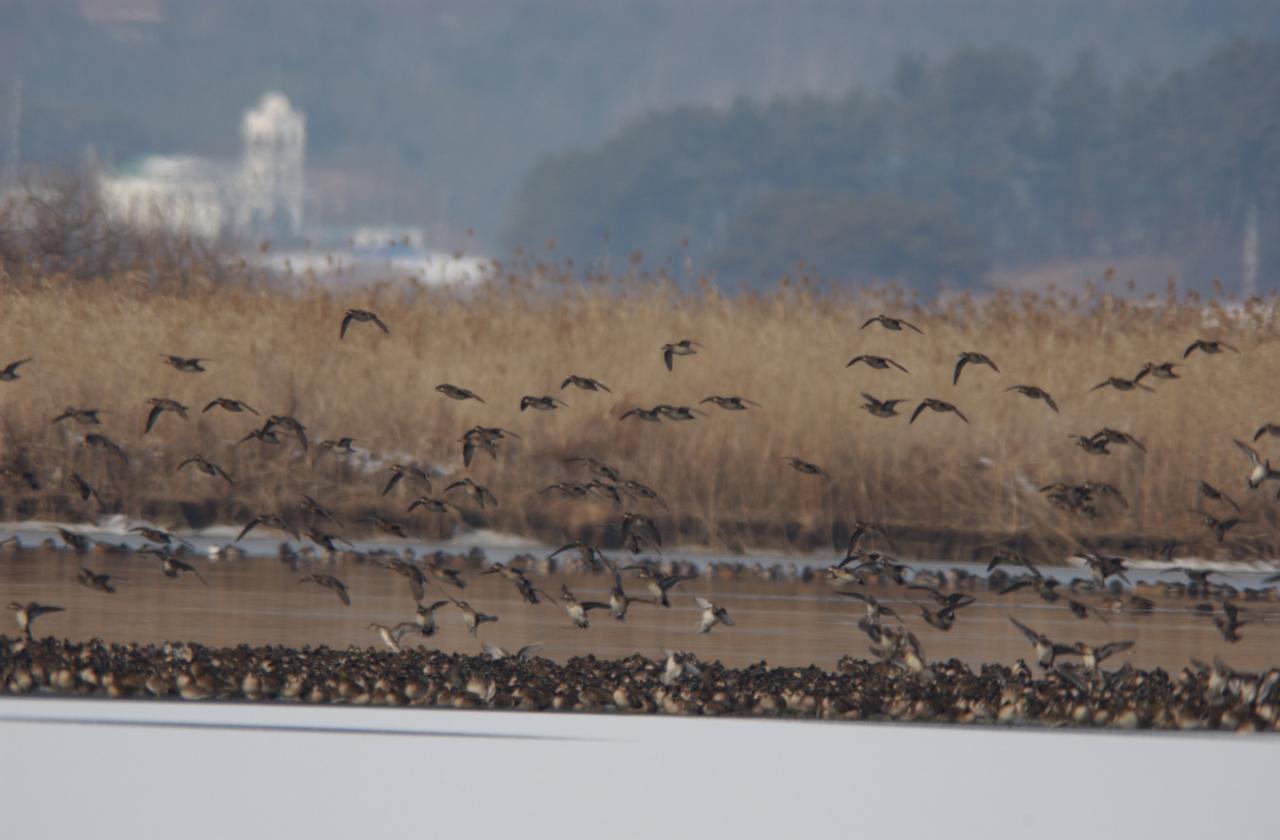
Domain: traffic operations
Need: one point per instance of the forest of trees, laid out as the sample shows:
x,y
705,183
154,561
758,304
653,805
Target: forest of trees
x,y
982,160
432,114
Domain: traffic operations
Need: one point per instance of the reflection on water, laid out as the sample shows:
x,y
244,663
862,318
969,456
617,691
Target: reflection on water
x,y
260,602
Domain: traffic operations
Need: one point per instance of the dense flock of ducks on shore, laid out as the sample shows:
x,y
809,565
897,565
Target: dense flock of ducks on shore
x,y
1073,687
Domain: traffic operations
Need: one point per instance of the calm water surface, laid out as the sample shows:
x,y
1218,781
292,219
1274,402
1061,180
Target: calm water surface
x,y
258,601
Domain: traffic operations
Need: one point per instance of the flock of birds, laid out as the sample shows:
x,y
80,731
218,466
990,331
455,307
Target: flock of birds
x,y
897,647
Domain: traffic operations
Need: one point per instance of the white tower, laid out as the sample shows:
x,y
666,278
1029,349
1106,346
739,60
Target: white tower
x,y
271,183
1250,256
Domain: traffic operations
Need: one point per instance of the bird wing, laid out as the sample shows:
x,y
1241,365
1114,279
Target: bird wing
x,y
703,602
529,651
151,418
381,325
346,322
1031,635
666,357
253,523
1249,451
959,367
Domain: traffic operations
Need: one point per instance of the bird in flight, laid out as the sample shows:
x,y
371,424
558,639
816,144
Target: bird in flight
x,y
361,316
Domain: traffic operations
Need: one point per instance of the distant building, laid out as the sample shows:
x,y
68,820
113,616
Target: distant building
x,y
262,194
185,193
271,185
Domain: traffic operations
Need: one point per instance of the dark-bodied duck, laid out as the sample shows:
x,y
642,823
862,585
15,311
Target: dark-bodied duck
x,y
426,617
729,403
1208,347
1119,438
361,316
880,408
802,466
1219,527
1035,393
417,579
477,493
649,415
585,383
940,406
658,583
712,614
432,505
578,610
395,529
159,405
597,467
1093,657
10,371
341,446
453,392
184,364
330,582
969,357
1119,383
391,636
76,542
158,536
289,424
83,416
312,506
679,413
590,556
329,542
207,467
472,618
892,324
90,579
876,362
172,566
269,520
227,404
1164,370
1047,650
543,403
264,435
399,472
620,601
1260,469
95,440
26,614
84,489
1213,493
683,347
1103,567
638,527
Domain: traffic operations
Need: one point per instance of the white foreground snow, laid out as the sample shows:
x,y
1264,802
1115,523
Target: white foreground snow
x,y
96,768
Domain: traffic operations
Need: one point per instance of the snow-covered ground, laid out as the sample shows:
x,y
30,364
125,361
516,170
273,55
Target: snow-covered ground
x,y
90,768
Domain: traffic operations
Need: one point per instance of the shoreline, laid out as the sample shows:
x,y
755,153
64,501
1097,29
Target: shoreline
x,y
1199,697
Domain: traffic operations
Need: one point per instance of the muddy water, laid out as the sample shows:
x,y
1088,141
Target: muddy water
x,y
259,601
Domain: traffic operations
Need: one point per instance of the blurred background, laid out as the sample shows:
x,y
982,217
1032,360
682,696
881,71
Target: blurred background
x,y
943,145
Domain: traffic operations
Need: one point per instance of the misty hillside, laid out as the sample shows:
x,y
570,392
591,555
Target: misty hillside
x,y
434,113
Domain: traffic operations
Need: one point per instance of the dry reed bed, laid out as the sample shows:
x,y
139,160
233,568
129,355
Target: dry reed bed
x,y
99,345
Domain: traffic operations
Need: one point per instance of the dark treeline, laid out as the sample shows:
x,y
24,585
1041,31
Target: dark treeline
x,y
984,160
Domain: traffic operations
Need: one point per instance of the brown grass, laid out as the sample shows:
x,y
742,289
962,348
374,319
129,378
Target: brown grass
x,y
98,344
